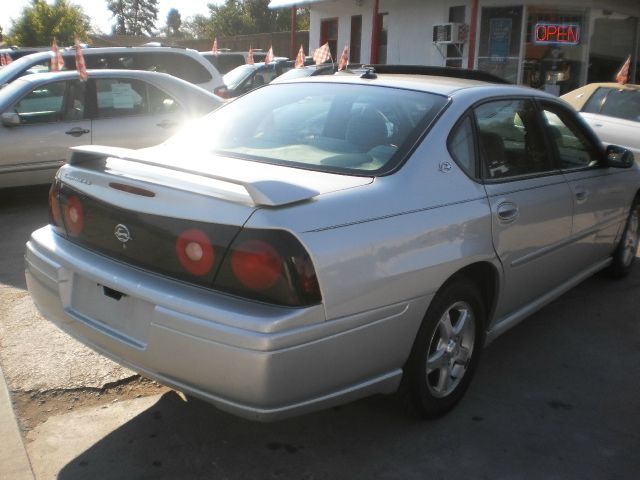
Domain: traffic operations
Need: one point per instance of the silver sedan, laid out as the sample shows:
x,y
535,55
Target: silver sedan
x,y
319,240
45,114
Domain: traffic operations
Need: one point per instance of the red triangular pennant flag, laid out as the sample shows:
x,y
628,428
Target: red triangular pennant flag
x,y
214,47
322,54
80,65
57,63
622,76
269,58
344,58
300,58
250,56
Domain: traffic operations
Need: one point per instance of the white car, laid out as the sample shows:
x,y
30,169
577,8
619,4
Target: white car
x,y
612,110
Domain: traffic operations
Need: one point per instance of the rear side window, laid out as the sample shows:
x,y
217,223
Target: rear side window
x,y
462,148
595,101
176,64
511,141
128,97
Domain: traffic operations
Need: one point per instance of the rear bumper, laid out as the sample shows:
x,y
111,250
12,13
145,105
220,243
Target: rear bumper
x,y
258,361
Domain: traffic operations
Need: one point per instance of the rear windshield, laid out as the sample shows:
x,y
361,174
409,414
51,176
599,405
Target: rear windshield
x,y
360,129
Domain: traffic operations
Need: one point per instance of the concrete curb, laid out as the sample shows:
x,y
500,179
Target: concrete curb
x,y
14,462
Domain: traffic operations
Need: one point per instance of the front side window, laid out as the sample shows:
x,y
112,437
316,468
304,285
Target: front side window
x,y
121,98
327,127
52,102
511,140
573,146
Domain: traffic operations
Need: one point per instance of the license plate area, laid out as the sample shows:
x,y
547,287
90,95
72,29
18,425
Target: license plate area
x,y
111,310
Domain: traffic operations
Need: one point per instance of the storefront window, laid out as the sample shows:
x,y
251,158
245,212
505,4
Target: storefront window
x,y
555,44
612,41
499,48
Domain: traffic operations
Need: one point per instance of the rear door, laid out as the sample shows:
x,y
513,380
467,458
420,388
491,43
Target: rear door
x,y
51,120
530,200
132,113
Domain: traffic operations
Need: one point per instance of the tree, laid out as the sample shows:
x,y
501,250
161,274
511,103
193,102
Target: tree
x,y
119,10
134,17
40,22
245,17
174,22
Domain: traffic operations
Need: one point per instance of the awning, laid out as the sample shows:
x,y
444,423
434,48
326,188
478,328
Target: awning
x,y
291,3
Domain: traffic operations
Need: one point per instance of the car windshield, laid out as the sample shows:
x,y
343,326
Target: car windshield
x,y
348,128
236,76
21,67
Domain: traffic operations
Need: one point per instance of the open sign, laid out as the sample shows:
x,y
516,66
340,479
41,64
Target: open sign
x,y
556,33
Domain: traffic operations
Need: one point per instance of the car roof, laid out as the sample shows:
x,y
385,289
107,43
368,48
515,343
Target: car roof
x,y
428,83
34,78
578,98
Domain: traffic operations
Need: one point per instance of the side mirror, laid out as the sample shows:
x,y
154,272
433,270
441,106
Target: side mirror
x,y
10,119
618,157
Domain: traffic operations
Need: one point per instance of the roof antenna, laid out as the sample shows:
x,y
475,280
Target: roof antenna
x,y
369,73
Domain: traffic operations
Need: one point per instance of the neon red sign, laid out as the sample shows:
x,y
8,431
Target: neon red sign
x,y
556,33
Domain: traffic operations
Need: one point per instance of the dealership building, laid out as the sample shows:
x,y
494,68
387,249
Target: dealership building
x,y
555,46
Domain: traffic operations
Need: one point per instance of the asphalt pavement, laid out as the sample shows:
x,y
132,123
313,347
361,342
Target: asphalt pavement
x,y
557,397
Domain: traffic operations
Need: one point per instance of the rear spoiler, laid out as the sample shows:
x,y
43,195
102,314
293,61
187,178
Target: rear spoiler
x,y
267,192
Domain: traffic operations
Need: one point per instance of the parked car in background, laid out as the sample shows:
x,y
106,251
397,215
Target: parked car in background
x,y
183,63
331,238
225,61
247,77
45,114
612,110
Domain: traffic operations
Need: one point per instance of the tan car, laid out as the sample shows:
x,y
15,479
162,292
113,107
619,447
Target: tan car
x,y
45,114
612,110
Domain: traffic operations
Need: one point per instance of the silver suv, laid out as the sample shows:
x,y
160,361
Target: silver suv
x,y
183,63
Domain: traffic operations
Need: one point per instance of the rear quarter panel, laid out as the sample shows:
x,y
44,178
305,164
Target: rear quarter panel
x,y
397,239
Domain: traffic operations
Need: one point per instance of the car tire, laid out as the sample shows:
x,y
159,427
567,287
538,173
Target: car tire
x,y
446,350
624,255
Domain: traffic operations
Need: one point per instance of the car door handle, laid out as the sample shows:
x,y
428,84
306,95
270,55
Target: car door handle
x,y
77,131
581,195
507,212
166,124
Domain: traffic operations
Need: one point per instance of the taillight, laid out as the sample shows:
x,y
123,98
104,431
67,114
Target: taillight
x,y
271,266
256,264
54,204
74,216
195,252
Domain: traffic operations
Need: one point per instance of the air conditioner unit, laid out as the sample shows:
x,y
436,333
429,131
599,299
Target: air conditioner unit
x,y
450,33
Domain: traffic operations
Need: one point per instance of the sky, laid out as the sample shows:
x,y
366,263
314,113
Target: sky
x,y
99,14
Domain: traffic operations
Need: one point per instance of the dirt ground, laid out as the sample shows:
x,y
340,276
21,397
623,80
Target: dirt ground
x,y
34,408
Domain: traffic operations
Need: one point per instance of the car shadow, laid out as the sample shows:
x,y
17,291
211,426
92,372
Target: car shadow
x,y
555,397
22,210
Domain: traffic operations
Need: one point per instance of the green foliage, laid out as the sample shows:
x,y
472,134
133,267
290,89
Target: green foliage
x,y
174,22
40,22
243,17
134,17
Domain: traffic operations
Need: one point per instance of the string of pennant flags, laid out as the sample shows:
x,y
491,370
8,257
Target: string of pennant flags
x,y
320,55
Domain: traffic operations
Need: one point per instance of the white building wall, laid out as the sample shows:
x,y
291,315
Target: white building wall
x,y
343,11
410,36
